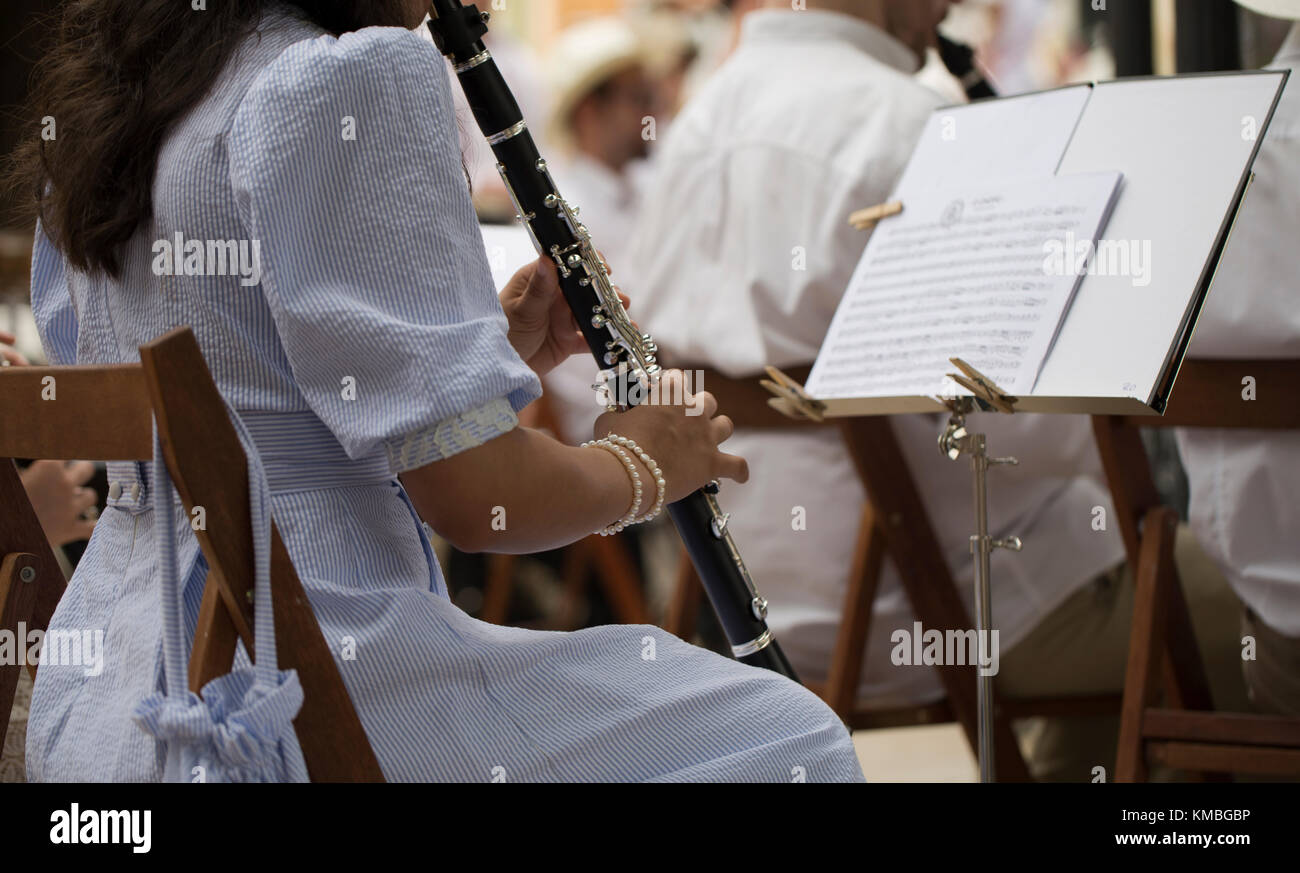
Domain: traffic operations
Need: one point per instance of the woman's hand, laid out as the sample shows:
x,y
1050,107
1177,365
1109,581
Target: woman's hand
x,y
56,492
10,356
542,329
681,433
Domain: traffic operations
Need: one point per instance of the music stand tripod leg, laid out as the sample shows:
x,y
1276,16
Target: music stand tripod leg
x,y
956,441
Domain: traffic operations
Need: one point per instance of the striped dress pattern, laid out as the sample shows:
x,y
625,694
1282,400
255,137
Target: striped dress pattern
x,y
359,336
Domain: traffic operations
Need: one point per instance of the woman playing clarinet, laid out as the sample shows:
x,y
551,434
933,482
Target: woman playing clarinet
x,y
355,332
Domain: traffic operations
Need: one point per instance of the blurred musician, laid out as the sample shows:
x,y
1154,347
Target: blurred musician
x,y
1244,484
740,261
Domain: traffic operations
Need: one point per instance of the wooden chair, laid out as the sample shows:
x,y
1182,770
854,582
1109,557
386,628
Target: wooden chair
x,y
208,466
894,522
607,559
1185,733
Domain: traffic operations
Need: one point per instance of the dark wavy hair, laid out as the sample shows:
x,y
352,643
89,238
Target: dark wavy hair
x,y
119,77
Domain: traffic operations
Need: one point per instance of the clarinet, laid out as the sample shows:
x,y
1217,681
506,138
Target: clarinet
x,y
960,61
625,356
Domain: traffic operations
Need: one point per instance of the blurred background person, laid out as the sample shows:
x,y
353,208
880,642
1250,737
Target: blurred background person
x,y
1244,484
604,104
606,113
815,115
522,68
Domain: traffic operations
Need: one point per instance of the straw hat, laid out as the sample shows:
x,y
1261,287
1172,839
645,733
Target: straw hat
x,y
585,57
1274,8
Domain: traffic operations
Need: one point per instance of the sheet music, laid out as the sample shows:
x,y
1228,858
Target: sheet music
x,y
985,274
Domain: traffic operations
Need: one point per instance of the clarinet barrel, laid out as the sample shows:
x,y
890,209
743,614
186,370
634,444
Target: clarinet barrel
x,y
626,358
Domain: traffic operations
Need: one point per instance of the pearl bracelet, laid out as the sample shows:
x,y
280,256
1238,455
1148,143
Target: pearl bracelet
x,y
616,445
630,518
661,487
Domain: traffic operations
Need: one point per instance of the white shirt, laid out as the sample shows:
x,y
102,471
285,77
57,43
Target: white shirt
x,y
1244,484
814,116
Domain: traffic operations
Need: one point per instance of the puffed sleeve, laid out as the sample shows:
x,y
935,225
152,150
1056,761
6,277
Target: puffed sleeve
x,y
346,168
52,306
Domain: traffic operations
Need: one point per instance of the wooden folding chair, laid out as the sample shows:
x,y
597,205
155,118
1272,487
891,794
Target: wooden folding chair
x,y
607,559
894,522
1186,733
208,466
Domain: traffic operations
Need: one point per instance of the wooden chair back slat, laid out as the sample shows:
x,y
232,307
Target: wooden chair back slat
x,y
83,413
1209,393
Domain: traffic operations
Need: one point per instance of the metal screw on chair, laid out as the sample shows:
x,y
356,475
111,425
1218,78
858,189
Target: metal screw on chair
x,y
27,574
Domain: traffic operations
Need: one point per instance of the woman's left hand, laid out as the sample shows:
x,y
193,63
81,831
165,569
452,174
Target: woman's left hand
x,y
542,329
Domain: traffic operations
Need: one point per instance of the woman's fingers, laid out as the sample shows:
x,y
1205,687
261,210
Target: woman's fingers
x,y
574,343
83,498
706,403
731,467
722,428
79,472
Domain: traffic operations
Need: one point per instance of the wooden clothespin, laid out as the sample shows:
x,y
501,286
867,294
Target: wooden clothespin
x,y
984,388
865,218
791,400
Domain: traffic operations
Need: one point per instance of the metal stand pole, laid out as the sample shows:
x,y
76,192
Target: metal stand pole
x,y
956,441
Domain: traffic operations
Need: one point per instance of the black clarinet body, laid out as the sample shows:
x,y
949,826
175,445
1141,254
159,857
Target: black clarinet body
x,y
625,357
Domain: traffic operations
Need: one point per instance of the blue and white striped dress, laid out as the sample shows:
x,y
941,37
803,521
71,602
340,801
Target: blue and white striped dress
x,y
374,343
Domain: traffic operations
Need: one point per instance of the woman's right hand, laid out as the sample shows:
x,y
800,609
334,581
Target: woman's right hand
x,y
681,432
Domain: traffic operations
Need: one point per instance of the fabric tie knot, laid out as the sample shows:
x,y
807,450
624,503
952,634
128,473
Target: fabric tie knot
x,y
235,731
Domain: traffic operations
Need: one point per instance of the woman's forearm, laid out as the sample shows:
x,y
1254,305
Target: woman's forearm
x,y
523,492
